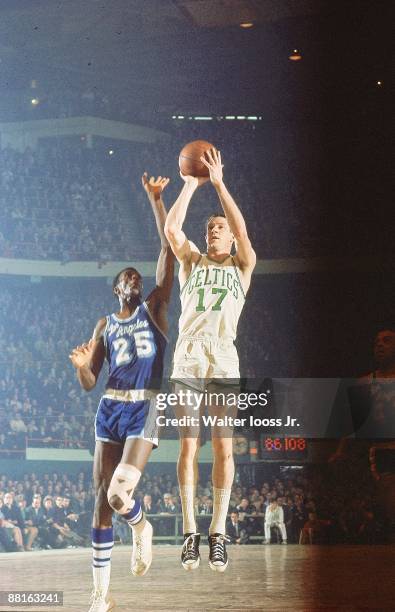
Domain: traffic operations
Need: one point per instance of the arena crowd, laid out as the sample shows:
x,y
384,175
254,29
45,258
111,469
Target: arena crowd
x,y
53,510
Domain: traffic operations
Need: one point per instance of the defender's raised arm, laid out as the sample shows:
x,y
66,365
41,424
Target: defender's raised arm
x,y
165,266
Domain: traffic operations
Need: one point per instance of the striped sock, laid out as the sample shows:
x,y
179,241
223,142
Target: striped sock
x,y
134,517
102,545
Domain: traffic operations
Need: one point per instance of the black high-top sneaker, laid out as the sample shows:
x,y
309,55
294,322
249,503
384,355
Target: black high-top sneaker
x,y
218,557
190,556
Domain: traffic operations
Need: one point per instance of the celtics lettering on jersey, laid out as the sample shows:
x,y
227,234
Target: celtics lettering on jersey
x,y
212,299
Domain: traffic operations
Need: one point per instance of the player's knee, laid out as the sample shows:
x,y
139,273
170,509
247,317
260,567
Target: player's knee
x,y
222,450
189,449
122,486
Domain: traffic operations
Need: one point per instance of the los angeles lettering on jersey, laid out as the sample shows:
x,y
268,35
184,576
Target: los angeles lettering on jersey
x,y
213,276
124,330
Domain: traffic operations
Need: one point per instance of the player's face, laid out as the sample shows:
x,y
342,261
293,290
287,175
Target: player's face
x,y
384,347
218,236
129,285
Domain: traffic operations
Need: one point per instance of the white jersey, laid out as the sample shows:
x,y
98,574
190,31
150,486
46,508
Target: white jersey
x,y
211,300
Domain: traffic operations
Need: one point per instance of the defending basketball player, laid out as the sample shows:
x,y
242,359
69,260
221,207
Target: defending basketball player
x,y
133,342
213,288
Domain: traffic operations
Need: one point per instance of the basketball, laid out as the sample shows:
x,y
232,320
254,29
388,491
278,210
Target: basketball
x,y
189,160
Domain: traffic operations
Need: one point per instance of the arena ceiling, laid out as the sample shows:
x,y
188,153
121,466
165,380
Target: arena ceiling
x,y
175,53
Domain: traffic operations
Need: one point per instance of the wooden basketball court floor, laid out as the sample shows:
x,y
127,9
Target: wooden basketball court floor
x,y
287,578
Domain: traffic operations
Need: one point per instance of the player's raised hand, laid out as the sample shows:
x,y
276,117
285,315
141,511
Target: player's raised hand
x,y
154,186
212,160
81,355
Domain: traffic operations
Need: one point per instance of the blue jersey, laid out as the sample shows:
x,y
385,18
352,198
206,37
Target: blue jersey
x,y
135,349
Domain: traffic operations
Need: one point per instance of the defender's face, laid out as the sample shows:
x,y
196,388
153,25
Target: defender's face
x,y
384,347
218,235
129,285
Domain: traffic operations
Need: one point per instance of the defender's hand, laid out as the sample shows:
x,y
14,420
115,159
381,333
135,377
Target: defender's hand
x,y
212,160
81,355
153,186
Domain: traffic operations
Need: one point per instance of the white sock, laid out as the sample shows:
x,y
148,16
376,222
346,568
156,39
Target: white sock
x,y
101,578
102,545
187,494
137,528
220,510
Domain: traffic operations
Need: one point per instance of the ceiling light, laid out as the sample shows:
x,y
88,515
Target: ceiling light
x,y
246,24
295,56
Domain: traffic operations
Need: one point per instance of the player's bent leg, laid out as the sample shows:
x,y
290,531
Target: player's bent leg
x,y
135,455
106,459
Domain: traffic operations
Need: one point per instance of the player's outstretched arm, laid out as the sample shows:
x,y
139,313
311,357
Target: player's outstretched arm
x,y
154,188
88,358
245,254
165,266
176,217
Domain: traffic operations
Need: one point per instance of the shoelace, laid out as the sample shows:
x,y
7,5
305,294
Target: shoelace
x,y
139,547
189,544
217,545
97,596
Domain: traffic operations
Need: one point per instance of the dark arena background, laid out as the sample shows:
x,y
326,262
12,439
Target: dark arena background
x,y
296,95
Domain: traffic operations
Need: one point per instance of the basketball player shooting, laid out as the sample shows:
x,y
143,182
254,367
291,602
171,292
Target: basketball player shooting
x,y
133,342
213,288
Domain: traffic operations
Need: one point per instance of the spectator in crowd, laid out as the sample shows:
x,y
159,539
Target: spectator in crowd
x,y
147,505
34,520
356,522
313,531
12,535
237,529
248,512
298,518
274,517
167,506
65,535
206,505
12,512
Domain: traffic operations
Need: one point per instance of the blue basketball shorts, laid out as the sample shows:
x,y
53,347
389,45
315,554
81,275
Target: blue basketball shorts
x,y
119,418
